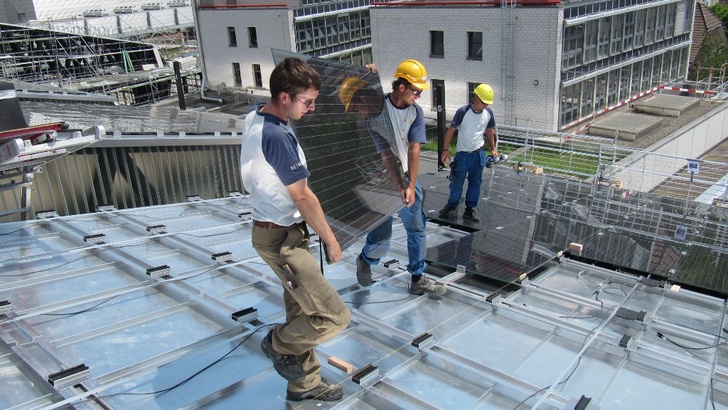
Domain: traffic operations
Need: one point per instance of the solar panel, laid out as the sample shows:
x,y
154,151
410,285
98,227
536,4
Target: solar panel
x,y
356,190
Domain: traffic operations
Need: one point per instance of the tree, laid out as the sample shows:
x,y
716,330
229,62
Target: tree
x,y
713,53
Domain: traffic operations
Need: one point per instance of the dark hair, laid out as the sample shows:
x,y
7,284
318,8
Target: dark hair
x,y
293,75
399,80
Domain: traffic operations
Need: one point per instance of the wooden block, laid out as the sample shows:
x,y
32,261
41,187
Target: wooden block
x,y
576,247
537,170
341,365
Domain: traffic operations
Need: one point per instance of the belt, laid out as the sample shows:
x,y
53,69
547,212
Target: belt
x,y
266,224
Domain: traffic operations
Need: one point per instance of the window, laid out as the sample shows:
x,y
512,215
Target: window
x,y
435,85
437,44
237,76
475,45
232,39
471,90
253,37
257,77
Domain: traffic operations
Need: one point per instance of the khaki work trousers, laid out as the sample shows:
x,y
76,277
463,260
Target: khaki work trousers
x,y
315,312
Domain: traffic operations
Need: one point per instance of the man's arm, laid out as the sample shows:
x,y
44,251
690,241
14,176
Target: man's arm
x,y
310,208
413,165
392,165
446,143
490,136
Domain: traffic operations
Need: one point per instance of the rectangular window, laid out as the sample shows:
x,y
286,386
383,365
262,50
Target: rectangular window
x,y
257,76
471,90
253,37
435,85
475,45
237,75
437,44
232,39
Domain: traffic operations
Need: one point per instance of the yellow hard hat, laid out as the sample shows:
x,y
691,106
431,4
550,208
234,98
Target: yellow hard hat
x,y
414,72
485,93
347,89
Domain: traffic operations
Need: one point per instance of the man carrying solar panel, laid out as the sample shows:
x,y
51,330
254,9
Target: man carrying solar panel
x,y
273,169
408,124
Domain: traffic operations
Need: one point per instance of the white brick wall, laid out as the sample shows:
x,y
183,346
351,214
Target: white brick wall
x,y
400,33
274,29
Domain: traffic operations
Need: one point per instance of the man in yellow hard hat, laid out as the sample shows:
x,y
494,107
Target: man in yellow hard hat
x,y
408,122
473,122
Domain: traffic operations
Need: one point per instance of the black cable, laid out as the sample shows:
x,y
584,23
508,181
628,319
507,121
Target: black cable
x,y
662,336
184,381
81,311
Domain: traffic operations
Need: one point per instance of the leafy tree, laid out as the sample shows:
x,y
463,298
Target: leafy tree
x,y
721,10
713,53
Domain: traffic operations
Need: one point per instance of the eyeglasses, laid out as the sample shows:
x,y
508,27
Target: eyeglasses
x,y
415,91
307,103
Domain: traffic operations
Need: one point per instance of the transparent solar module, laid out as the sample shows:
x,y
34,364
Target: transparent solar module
x,y
348,174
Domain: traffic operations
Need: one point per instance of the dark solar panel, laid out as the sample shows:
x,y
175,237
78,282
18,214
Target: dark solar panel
x,y
356,190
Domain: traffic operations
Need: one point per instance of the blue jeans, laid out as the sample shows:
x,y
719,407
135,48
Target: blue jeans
x,y
470,165
413,219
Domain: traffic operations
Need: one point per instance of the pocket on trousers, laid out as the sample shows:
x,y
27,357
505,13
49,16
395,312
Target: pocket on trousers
x,y
298,290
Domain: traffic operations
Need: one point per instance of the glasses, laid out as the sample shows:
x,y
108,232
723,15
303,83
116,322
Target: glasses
x,y
415,91
307,103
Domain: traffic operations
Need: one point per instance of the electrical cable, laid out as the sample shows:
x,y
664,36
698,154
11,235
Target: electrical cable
x,y
81,311
662,336
184,381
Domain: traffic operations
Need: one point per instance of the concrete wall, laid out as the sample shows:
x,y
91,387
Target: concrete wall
x,y
401,33
274,29
645,170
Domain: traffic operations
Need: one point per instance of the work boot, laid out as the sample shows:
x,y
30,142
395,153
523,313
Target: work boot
x,y
363,271
445,212
470,215
425,284
324,391
286,365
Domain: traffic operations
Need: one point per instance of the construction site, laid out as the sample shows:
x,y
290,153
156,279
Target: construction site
x,y
596,278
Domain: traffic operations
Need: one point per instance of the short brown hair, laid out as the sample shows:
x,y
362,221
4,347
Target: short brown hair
x,y
293,75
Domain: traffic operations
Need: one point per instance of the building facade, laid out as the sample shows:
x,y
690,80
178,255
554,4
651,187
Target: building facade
x,y
553,65
236,37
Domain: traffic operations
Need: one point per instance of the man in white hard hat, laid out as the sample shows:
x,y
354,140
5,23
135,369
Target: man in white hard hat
x,y
473,122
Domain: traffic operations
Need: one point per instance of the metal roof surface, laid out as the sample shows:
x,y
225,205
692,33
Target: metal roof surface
x,y
136,304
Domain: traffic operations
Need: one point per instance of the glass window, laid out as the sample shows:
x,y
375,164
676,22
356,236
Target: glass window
x,y
257,76
605,29
617,32
475,45
237,76
253,37
471,89
434,86
232,39
437,44
573,46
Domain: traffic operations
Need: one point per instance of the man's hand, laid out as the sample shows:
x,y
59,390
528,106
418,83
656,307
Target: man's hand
x,y
333,252
372,67
444,157
494,152
408,197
